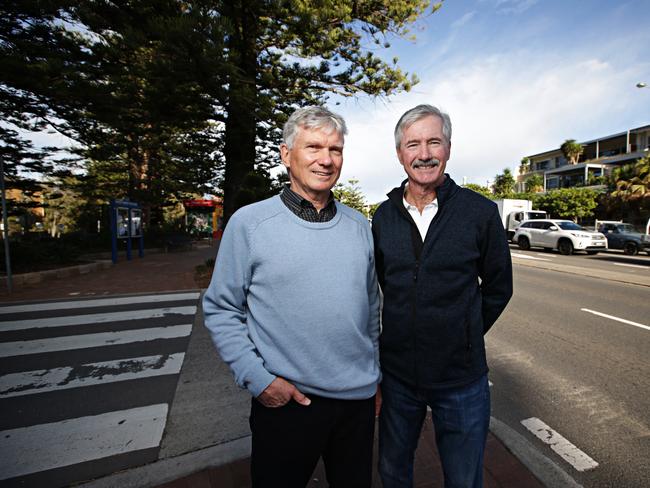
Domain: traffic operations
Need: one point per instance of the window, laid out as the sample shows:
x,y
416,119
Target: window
x,y
566,225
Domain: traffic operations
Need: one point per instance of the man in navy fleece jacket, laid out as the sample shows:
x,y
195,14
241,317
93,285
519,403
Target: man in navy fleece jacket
x,y
444,267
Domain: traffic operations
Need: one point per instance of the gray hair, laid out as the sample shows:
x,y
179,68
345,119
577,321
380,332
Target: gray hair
x,y
312,118
410,117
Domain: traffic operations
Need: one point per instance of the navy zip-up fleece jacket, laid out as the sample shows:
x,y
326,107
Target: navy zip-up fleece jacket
x,y
441,295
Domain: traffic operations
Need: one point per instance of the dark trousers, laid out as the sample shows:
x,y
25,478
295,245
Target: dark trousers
x,y
288,441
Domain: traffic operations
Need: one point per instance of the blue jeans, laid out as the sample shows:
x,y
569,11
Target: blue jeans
x,y
461,418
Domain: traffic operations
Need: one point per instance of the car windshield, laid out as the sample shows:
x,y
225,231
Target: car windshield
x,y
566,225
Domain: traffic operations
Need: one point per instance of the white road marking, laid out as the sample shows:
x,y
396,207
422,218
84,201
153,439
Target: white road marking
x,y
99,302
629,322
45,380
526,256
548,255
630,265
96,318
570,453
84,341
47,446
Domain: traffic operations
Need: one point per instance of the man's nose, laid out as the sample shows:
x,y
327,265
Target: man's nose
x,y
326,158
424,152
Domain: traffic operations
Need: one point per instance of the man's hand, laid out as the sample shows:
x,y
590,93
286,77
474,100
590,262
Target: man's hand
x,y
378,401
280,392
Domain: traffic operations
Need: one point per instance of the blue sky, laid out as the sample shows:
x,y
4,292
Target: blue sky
x,y
517,77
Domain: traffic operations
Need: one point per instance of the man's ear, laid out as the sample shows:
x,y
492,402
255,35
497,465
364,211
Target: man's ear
x,y
285,155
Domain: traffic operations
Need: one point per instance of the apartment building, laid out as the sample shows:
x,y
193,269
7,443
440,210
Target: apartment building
x,y
599,157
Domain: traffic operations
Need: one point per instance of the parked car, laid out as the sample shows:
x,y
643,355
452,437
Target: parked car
x,y
563,235
625,236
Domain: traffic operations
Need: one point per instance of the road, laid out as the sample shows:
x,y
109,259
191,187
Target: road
x,y
86,385
564,375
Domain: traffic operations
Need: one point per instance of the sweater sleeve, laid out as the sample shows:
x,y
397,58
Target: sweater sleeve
x,y
495,270
224,308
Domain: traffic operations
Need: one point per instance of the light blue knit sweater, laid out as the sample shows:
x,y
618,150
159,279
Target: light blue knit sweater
x,y
296,299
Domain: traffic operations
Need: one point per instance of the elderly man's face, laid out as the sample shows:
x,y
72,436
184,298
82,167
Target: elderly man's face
x,y
424,152
314,162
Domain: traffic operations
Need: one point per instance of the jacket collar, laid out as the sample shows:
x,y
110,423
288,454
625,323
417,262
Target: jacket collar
x,y
444,192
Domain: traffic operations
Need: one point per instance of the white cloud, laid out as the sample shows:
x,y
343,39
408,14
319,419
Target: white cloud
x,y
502,107
463,20
514,6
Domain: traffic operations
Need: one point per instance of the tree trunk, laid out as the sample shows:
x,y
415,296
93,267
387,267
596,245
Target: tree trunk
x,y
239,146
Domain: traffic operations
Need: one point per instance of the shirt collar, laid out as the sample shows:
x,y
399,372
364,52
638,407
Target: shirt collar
x,y
433,204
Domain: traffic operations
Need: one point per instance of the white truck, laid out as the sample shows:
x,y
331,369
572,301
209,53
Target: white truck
x,y
514,212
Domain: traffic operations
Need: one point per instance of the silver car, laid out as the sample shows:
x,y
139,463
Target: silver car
x,y
563,235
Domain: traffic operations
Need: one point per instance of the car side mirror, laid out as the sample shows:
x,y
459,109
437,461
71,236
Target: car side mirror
x,y
553,227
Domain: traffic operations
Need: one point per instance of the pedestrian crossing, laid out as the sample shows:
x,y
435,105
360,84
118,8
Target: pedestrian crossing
x,y
86,385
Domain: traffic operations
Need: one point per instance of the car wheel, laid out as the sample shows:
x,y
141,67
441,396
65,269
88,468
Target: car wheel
x,y
630,248
523,243
591,253
565,246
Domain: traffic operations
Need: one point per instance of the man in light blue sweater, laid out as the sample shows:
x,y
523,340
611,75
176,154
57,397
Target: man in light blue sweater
x,y
293,309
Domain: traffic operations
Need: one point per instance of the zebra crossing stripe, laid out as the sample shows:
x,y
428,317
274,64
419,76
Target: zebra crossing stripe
x,y
46,380
84,341
48,446
97,318
98,302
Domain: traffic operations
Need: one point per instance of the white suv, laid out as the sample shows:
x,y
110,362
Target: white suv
x,y
564,235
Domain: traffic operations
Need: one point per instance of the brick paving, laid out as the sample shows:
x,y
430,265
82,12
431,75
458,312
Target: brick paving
x,y
501,469
155,272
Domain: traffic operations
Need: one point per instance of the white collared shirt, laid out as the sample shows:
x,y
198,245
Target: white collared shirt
x,y
422,220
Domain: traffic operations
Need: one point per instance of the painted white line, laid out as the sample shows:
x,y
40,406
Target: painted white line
x,y
546,254
98,302
45,380
95,318
85,341
47,446
631,265
526,256
611,317
567,451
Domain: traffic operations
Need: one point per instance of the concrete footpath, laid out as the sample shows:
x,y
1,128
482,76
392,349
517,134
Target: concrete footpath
x,y
207,440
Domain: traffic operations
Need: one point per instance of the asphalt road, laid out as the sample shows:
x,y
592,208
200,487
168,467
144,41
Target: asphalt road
x,y
608,261
579,381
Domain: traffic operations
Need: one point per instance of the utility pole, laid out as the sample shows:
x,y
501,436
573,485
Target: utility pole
x,y
5,226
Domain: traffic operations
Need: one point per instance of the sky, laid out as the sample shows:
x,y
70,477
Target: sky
x,y
517,77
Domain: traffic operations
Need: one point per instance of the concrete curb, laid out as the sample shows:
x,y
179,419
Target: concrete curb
x,y
546,471
19,280
170,469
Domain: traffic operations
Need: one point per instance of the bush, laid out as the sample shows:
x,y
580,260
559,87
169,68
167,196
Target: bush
x,y
29,255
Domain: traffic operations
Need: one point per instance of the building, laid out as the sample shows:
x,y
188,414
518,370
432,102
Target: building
x,y
599,157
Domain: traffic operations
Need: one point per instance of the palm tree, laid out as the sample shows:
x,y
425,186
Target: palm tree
x,y
633,181
535,183
571,150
